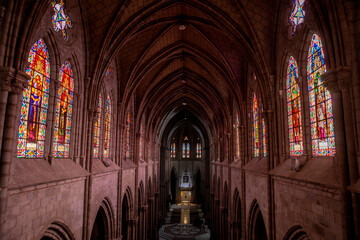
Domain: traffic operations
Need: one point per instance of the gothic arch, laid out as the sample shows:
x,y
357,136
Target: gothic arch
x,y
104,224
256,224
126,210
57,230
225,212
141,213
296,232
237,211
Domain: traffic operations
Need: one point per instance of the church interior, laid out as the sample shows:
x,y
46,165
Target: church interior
x,y
187,119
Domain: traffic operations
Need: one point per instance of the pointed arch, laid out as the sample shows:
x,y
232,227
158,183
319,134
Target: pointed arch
x,y
294,109
107,127
321,114
97,128
296,233
237,135
57,230
35,103
173,150
104,224
264,136
128,134
256,228
255,112
237,229
63,111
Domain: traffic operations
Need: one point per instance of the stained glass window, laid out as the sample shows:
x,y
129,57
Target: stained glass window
x,y
173,150
97,129
198,150
321,114
297,15
264,138
188,150
183,150
63,111
128,122
294,109
107,127
35,103
237,135
60,20
255,126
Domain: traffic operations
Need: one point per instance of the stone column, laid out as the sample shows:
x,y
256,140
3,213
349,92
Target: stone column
x,y
337,82
133,225
13,83
5,88
142,223
92,117
50,123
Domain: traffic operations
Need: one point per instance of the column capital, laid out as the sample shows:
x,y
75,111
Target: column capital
x,y
13,80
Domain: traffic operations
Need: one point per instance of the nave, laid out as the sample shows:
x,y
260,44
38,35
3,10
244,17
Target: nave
x,y
187,119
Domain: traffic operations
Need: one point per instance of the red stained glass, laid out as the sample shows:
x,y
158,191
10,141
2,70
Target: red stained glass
x,y
322,126
294,109
34,103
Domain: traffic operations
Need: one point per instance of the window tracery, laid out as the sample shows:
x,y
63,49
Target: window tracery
x,y
107,127
321,114
294,109
63,111
255,126
35,103
97,129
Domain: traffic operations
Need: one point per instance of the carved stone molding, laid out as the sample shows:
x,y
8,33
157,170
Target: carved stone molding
x,y
13,80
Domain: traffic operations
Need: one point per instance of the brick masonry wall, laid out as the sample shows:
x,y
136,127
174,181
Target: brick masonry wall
x,y
105,185
316,209
31,211
256,189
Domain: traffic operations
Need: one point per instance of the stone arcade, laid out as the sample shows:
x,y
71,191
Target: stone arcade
x,y
187,119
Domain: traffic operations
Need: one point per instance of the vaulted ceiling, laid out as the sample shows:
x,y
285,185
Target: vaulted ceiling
x,y
180,55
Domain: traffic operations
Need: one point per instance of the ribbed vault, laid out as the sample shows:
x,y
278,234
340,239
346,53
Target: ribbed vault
x,y
173,56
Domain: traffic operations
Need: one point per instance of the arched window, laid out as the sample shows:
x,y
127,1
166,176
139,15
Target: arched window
x,y
294,109
198,150
297,15
63,111
237,135
173,150
321,114
97,129
35,103
188,150
107,127
255,126
128,122
183,150
264,138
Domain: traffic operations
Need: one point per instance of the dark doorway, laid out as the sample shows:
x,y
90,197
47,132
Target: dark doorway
x,y
238,222
99,231
173,186
260,230
125,219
